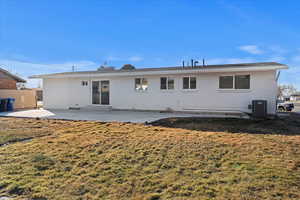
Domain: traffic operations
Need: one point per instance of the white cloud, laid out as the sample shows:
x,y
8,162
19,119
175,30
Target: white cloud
x,y
26,69
125,59
135,58
15,64
113,58
252,49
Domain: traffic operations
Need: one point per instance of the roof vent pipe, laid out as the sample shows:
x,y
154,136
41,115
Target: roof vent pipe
x,y
195,63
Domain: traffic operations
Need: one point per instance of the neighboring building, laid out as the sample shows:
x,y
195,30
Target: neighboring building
x,y
295,97
9,81
12,86
209,88
39,93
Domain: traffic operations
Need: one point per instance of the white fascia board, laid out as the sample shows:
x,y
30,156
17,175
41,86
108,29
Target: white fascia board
x,y
166,72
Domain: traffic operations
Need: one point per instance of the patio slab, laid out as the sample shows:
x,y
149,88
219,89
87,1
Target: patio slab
x,y
106,116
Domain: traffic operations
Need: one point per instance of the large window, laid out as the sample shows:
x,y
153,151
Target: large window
x,y
242,82
226,82
166,83
189,82
141,84
234,82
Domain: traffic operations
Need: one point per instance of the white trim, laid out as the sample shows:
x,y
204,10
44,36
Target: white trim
x,y
234,90
161,72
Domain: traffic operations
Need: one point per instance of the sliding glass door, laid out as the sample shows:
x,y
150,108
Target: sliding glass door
x,y
100,92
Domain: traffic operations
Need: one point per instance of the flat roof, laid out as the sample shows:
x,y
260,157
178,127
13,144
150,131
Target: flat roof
x,y
179,69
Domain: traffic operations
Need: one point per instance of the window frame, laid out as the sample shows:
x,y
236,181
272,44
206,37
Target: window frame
x,y
189,86
167,83
84,83
234,82
141,83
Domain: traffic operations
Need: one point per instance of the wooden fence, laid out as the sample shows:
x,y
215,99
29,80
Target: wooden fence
x,y
25,99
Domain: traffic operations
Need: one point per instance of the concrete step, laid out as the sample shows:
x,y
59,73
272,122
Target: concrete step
x,y
97,108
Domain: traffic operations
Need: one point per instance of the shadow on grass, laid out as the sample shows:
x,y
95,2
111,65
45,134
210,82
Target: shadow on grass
x,y
289,125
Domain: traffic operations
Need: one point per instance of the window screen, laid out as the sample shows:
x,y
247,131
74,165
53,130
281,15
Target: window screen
x,y
163,83
144,84
166,83
141,84
192,82
170,84
226,82
186,82
138,84
189,82
242,82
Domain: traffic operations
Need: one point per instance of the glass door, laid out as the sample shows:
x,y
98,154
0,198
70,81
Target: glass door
x,y
105,92
95,92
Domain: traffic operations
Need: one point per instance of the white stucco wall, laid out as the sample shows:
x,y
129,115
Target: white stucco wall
x,y
61,93
65,93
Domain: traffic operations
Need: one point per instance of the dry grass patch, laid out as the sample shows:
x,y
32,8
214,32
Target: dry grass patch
x,y
92,160
15,130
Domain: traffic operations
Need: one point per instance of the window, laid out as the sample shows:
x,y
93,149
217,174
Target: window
x,y
234,82
242,82
186,83
189,83
166,83
141,84
226,82
84,83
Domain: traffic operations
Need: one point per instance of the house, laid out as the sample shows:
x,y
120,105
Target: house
x,y
8,80
295,96
10,85
208,88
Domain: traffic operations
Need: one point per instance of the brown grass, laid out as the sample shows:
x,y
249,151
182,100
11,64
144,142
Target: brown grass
x,y
92,160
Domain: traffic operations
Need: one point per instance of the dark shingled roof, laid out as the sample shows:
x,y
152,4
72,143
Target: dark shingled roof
x,y
15,77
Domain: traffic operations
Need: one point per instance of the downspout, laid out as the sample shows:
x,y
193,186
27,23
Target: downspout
x,y
276,79
277,76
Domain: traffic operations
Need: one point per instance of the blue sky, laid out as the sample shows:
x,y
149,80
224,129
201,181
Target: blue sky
x,y
39,37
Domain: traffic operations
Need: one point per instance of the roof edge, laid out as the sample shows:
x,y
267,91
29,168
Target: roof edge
x,y
15,77
179,69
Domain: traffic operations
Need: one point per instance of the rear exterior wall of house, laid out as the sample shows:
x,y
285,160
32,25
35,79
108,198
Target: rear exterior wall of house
x,y
62,93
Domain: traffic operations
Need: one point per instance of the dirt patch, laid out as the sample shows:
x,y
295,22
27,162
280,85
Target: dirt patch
x,y
286,126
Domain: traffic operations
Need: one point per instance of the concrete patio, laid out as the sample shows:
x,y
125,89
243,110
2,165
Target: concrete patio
x,y
106,116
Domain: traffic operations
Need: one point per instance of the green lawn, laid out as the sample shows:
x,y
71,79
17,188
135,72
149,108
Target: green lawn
x,y
92,160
